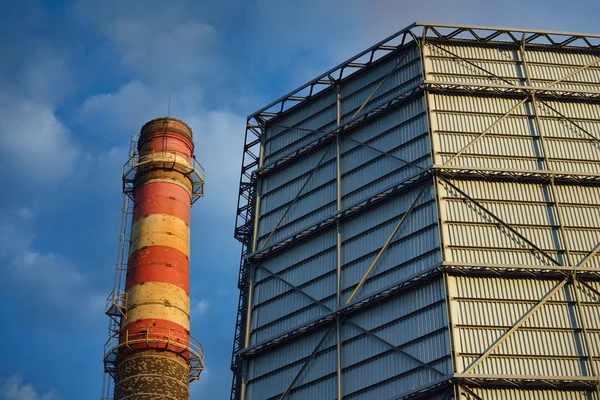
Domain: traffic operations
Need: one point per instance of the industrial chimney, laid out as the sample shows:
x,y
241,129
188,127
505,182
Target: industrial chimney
x,y
151,354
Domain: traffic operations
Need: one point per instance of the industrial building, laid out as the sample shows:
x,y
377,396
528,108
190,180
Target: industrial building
x,y
150,353
423,221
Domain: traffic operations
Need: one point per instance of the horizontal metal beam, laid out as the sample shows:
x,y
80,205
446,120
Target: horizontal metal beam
x,y
544,93
535,270
345,310
587,381
430,32
342,130
467,171
344,213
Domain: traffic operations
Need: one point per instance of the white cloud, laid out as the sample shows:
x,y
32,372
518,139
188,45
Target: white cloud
x,y
34,143
25,213
157,41
64,287
122,113
219,142
200,307
46,77
14,388
12,238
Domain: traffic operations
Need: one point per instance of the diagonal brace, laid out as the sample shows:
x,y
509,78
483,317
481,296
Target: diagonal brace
x,y
510,228
594,138
587,258
385,153
385,246
306,363
486,131
385,78
456,56
395,348
578,70
516,326
297,195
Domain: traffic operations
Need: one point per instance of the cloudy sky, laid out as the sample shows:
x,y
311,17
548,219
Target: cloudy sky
x,y
78,78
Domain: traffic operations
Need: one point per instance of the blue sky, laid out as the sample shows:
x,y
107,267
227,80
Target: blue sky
x,y
78,78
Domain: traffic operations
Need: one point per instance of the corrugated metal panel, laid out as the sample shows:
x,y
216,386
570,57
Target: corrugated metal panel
x,y
317,114
474,236
485,65
412,250
474,64
535,394
401,133
415,322
308,266
320,114
547,344
404,72
514,141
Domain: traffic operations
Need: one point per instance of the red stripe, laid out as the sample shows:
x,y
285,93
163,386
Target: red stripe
x,y
158,264
162,198
154,334
170,142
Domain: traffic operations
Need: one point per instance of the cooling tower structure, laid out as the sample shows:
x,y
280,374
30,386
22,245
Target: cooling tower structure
x,y
423,222
150,353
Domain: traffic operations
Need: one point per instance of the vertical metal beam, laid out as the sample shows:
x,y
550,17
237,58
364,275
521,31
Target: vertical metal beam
x,y
584,325
339,239
546,153
441,223
248,322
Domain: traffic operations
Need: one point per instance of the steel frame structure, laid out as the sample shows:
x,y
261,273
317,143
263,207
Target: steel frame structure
x,y
576,276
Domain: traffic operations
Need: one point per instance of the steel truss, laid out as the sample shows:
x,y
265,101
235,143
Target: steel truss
x,y
459,384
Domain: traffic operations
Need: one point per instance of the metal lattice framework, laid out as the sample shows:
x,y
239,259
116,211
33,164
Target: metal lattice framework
x,y
429,38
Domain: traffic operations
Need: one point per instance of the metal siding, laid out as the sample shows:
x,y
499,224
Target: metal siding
x,y
401,133
277,307
547,344
394,76
412,250
479,309
414,322
319,114
475,64
535,394
475,237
